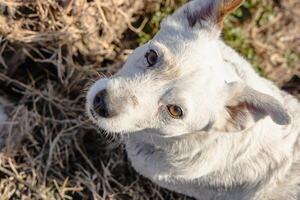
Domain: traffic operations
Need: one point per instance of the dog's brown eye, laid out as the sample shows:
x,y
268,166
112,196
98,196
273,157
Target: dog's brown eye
x,y
151,57
175,111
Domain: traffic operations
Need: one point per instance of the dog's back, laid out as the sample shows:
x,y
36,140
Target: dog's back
x,y
284,183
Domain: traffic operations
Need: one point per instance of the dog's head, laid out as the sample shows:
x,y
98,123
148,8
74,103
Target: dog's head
x,y
177,83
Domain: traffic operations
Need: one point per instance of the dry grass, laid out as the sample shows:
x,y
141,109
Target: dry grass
x,y
268,34
51,50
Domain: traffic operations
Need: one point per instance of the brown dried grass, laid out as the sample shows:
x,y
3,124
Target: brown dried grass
x,y
274,33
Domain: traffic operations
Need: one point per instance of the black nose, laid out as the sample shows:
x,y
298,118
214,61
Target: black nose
x,y
99,104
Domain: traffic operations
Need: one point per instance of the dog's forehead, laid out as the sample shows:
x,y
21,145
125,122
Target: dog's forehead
x,y
182,41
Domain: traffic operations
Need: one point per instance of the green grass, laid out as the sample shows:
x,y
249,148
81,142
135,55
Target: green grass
x,y
235,37
291,57
163,10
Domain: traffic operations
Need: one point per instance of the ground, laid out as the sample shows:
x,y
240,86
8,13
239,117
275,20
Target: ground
x,y
52,50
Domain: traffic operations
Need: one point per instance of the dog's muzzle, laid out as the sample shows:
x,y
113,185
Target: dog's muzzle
x,y
109,99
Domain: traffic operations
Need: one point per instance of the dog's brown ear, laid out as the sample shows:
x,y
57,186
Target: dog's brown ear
x,y
227,7
210,11
246,106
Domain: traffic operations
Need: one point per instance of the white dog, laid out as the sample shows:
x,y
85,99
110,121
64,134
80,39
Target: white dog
x,y
196,118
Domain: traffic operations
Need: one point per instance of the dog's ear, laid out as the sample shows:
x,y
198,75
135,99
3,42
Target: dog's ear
x,y
245,106
210,12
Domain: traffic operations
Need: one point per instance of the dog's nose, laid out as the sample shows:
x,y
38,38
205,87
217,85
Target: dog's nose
x,y
100,105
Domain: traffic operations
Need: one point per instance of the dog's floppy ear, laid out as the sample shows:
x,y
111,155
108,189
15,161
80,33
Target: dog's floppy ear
x,y
245,106
210,12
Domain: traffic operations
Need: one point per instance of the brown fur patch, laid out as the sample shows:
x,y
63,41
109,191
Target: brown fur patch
x,y
133,99
227,7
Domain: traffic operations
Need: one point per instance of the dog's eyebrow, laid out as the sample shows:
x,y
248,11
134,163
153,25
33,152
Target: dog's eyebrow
x,y
153,46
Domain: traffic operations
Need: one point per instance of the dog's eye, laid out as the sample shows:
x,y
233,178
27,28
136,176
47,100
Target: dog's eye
x,y
151,57
175,111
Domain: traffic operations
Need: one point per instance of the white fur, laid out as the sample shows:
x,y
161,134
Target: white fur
x,y
203,155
